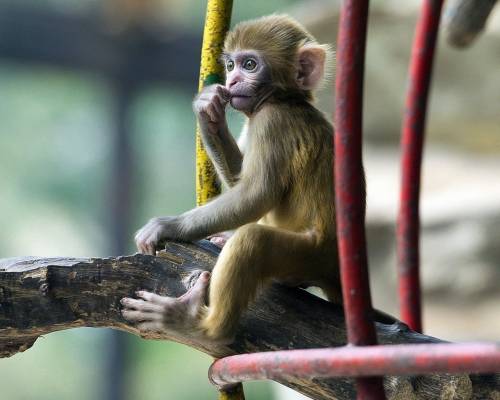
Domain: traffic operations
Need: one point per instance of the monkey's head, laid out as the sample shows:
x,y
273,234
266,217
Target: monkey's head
x,y
268,55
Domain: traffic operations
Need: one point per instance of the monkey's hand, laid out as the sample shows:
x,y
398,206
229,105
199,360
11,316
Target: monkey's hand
x,y
210,109
158,229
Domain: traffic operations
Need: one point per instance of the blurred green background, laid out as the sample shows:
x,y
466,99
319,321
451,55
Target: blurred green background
x,y
57,141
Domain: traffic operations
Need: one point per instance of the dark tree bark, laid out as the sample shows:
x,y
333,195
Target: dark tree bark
x,y
38,296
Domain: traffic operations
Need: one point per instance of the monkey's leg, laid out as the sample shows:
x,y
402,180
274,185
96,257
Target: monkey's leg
x,y
252,257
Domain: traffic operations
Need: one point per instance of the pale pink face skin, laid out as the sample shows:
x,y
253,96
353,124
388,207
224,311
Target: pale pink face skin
x,y
246,77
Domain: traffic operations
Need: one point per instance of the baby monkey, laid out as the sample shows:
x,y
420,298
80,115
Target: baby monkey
x,y
279,197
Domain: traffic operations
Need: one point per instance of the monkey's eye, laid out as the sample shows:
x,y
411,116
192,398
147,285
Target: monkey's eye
x,y
230,65
250,64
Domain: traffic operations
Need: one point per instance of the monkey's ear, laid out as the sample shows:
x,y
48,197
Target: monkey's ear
x,y
311,66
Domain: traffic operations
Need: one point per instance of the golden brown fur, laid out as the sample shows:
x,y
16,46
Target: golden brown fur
x,y
289,147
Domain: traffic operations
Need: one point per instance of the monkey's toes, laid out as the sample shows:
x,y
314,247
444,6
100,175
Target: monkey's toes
x,y
204,277
154,298
194,298
140,305
201,285
140,316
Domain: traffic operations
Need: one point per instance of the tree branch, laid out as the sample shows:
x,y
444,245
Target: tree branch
x,y
43,295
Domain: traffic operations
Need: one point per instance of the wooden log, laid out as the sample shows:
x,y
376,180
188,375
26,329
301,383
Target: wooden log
x,y
43,295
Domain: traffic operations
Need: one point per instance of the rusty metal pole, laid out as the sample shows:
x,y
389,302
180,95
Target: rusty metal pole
x,y
349,175
350,184
405,359
412,140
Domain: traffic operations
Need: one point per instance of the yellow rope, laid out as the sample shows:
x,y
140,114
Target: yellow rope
x,y
216,26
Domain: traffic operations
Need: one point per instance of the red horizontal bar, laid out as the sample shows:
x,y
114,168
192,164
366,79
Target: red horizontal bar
x,y
405,359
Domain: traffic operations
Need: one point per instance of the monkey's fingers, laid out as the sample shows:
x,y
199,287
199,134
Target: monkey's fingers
x,y
155,298
213,113
147,239
215,110
224,93
146,248
207,98
213,127
220,105
151,248
141,247
140,240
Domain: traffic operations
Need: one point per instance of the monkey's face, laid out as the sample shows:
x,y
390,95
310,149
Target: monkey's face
x,y
247,79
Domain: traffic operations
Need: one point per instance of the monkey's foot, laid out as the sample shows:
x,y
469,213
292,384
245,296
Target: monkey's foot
x,y
172,316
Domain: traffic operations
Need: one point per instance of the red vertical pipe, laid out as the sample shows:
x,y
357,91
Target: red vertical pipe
x,y
412,139
350,185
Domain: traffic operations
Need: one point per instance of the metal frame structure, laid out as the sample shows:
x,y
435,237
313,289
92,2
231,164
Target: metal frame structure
x,y
350,185
412,141
357,361
362,359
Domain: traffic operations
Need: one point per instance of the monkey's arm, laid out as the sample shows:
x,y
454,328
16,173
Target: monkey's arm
x,y
245,202
224,153
209,107
265,176
242,204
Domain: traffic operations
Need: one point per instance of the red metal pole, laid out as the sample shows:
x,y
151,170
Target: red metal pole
x,y
412,139
350,185
410,359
